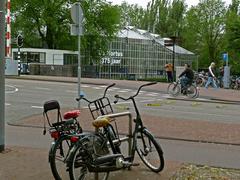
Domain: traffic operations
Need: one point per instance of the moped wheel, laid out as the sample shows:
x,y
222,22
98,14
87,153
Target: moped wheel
x,y
173,89
57,156
149,150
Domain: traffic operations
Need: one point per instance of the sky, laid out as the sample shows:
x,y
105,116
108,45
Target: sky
x,y
144,3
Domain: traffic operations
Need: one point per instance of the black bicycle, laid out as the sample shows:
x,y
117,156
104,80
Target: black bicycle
x,y
61,130
97,144
97,152
144,142
175,88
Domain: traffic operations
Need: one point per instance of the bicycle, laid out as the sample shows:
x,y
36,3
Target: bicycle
x,y
140,133
175,88
64,132
60,131
85,156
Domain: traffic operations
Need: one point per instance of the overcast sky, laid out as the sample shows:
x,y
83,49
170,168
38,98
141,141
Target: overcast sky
x,y
144,3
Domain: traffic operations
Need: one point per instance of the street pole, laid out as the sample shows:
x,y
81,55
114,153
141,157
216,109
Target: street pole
x,y
79,68
19,61
173,59
2,75
173,63
76,29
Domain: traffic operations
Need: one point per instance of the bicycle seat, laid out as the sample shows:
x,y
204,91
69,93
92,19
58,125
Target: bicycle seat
x,y
71,114
101,122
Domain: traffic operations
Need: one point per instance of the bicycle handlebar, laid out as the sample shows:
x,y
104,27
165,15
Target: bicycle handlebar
x,y
104,94
111,85
126,99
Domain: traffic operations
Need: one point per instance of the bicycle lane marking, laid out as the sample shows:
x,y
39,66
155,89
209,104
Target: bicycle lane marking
x,y
12,89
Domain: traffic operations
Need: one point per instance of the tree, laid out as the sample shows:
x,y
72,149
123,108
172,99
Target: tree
x,y
44,20
204,29
101,25
46,23
233,36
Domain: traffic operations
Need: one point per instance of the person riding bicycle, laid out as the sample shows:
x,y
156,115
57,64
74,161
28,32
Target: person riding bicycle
x,y
186,78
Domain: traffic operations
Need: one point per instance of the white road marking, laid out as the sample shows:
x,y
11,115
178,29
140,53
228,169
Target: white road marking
x,y
152,94
122,91
97,88
42,88
11,91
85,86
37,107
7,104
71,91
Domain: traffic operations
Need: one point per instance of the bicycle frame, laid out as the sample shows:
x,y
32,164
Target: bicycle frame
x,y
138,121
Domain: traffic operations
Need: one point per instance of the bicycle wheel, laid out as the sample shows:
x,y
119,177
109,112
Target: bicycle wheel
x,y
81,155
192,91
200,81
57,157
173,89
149,150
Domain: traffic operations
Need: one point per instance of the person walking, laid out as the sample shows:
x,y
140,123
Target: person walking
x,y
211,76
169,70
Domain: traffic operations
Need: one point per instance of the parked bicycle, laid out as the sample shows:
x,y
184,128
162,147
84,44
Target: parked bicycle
x,y
61,131
92,153
102,106
175,88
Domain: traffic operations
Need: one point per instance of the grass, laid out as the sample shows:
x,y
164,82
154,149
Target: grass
x,y
194,172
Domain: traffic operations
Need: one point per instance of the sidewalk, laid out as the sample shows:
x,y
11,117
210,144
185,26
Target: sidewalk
x,y
24,163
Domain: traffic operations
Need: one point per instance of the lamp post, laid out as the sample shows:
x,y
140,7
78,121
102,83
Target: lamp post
x,y
172,43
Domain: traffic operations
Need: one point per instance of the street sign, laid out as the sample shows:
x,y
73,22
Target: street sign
x,y
77,13
76,30
225,57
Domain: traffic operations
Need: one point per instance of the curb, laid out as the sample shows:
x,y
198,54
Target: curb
x,y
211,100
158,137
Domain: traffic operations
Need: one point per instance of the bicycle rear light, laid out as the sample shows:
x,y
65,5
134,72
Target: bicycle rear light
x,y
55,134
74,139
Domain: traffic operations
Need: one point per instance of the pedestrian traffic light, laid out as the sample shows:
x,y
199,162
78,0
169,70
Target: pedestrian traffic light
x,y
19,40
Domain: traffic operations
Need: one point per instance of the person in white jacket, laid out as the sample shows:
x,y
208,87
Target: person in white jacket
x,y
211,76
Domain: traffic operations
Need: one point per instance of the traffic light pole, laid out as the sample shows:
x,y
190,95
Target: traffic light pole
x,y
19,61
2,75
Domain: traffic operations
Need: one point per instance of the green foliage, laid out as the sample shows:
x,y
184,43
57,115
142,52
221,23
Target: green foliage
x,y
207,29
232,36
45,23
102,22
203,30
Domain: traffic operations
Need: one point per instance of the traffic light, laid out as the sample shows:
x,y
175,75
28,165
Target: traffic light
x,y
19,40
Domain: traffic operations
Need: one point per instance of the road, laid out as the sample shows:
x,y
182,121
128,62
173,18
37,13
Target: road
x,y
25,98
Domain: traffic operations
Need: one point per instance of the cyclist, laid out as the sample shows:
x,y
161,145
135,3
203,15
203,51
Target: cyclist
x,y
186,78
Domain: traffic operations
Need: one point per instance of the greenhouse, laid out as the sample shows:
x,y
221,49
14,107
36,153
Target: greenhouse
x,y
138,54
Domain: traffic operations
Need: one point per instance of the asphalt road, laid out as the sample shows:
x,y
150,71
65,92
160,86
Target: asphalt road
x,y
25,98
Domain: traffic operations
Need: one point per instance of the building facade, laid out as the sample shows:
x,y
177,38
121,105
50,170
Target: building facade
x,y
133,54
